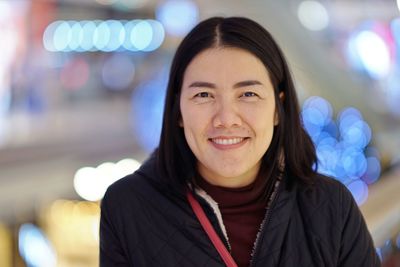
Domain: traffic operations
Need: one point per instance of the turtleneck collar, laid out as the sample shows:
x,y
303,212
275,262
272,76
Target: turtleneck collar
x,y
235,197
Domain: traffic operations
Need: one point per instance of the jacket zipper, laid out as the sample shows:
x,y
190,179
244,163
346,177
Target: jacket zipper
x,y
265,221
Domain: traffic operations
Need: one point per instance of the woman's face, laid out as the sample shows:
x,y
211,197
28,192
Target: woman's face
x,y
228,114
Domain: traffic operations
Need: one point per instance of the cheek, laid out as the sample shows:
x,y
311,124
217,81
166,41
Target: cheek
x,y
193,124
261,119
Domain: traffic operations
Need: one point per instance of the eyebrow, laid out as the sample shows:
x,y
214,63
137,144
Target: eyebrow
x,y
237,85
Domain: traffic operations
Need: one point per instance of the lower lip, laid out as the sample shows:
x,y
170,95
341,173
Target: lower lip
x,y
227,147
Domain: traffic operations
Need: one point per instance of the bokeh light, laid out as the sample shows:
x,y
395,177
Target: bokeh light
x,y
48,36
35,248
102,36
88,30
147,110
342,145
129,27
141,35
76,36
106,36
369,52
313,15
317,113
87,185
91,183
374,53
117,35
62,36
359,190
373,170
118,72
178,16
158,35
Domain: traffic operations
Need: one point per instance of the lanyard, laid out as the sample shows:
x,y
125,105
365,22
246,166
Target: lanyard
x,y
205,223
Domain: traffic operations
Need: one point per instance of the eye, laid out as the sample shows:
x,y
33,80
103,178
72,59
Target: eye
x,y
248,94
203,95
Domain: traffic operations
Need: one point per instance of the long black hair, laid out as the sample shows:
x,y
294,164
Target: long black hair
x,y
290,142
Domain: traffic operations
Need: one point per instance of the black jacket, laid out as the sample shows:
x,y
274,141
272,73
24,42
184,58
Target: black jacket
x,y
142,224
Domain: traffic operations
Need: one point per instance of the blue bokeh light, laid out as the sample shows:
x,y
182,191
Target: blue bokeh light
x,y
105,36
147,110
141,35
62,36
35,248
117,35
127,43
76,36
373,170
88,29
102,36
359,191
342,145
158,36
349,111
48,36
178,16
354,162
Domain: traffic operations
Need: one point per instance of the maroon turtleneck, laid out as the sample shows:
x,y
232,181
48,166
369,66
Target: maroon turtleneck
x,y
242,210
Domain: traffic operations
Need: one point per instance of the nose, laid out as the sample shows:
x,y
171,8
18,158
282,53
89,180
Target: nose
x,y
226,115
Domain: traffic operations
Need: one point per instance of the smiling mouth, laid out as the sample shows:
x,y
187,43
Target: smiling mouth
x,y
228,141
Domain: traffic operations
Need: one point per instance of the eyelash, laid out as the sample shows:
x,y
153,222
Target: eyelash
x,y
249,92
202,94
206,94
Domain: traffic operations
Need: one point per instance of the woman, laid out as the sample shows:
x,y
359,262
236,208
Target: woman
x,y
232,141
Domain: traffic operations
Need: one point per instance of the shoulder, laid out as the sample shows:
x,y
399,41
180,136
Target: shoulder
x,y
328,197
123,193
134,187
325,188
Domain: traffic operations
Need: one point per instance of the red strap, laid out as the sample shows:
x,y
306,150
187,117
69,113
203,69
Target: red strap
x,y
223,252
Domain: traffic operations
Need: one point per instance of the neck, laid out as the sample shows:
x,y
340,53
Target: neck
x,y
237,181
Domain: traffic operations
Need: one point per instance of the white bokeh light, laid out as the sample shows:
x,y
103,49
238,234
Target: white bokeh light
x,y
87,184
374,54
91,183
313,15
127,166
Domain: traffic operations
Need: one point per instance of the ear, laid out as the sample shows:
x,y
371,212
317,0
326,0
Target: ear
x,y
282,99
180,122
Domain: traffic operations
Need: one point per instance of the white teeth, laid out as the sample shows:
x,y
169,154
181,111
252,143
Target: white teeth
x,y
225,141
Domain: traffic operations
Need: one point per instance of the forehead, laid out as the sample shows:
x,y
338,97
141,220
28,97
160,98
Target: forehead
x,y
226,62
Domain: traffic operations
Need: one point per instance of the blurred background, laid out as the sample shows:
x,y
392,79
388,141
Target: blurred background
x,y
82,85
